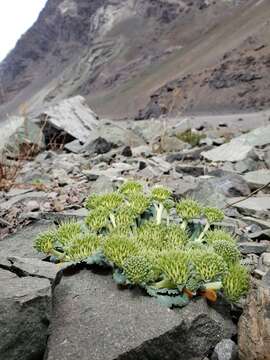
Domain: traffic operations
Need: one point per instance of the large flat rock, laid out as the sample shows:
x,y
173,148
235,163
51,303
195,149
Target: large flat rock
x,y
241,147
93,319
256,137
233,151
214,191
25,310
258,178
113,133
72,116
261,203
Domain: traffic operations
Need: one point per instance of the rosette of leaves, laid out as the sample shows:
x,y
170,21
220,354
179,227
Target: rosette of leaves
x,y
128,232
175,236
176,268
82,247
160,197
138,270
66,231
187,210
219,234
152,236
131,187
152,257
98,219
125,217
109,201
138,202
118,248
209,267
228,251
213,215
236,282
44,243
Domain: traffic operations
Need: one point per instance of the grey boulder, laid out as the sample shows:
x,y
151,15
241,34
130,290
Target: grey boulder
x,y
71,116
258,178
92,319
233,151
225,350
18,133
25,310
114,134
214,191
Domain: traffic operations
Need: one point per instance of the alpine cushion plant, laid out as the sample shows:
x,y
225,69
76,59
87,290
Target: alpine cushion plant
x,y
171,250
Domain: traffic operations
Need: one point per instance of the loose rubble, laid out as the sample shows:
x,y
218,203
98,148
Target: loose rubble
x,y
52,187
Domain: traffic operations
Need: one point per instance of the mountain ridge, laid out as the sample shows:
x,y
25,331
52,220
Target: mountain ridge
x,y
119,53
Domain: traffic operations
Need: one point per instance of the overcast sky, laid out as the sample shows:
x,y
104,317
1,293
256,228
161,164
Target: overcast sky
x,y
16,16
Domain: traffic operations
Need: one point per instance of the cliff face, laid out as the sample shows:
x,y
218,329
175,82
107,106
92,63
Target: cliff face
x,y
117,53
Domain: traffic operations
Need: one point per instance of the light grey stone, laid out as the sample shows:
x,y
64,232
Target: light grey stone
x,y
21,243
74,146
258,178
18,131
232,151
256,137
35,267
167,144
72,116
33,195
241,147
253,204
215,191
225,350
114,134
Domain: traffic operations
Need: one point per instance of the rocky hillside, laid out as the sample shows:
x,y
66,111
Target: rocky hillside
x,y
68,310
194,56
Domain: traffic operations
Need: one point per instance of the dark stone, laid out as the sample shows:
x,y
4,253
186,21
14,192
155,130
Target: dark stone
x,y
252,248
142,165
91,176
222,80
153,110
98,146
25,310
127,151
193,154
190,170
94,319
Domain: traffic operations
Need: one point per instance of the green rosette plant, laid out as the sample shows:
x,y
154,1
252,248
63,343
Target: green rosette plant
x,y
173,251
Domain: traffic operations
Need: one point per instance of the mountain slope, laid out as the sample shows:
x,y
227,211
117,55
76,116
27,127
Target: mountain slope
x,y
117,53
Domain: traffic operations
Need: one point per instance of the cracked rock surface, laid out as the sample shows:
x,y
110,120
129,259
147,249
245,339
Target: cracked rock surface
x,y
25,311
93,319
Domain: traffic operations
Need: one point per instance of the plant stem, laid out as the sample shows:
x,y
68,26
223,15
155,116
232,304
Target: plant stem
x,y
184,225
213,286
112,219
159,213
206,228
164,284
